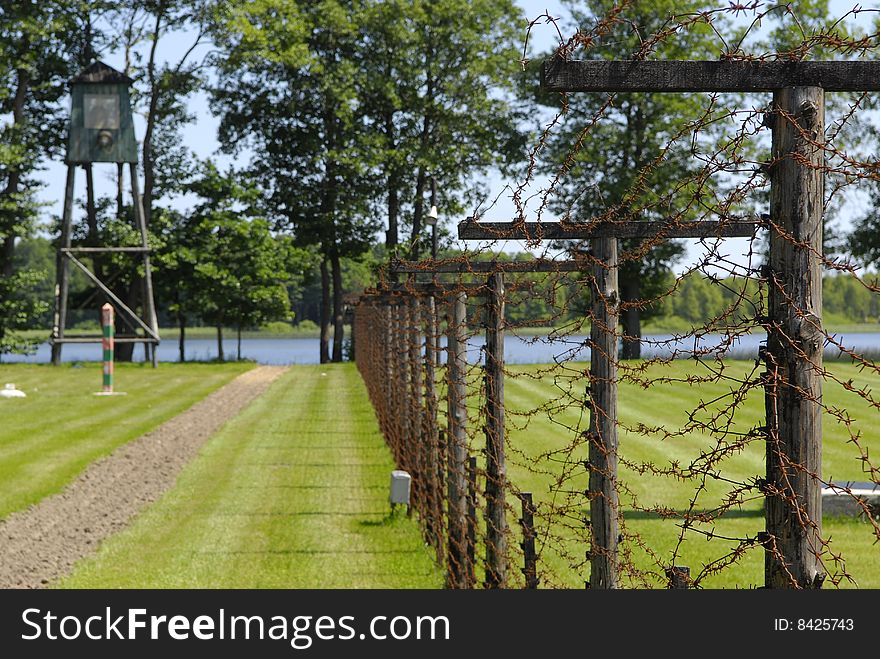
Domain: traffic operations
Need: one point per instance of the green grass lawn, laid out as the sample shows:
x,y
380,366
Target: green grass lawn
x,y
48,438
667,406
291,494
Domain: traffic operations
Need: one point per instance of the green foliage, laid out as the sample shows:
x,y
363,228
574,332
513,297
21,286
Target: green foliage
x,y
19,306
286,90
221,262
637,161
37,254
437,87
864,240
851,298
36,57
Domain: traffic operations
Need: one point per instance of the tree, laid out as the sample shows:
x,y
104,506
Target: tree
x,y
19,305
286,90
40,43
220,260
636,162
437,80
241,277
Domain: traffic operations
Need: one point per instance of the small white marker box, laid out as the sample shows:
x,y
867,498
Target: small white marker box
x,y
400,486
9,391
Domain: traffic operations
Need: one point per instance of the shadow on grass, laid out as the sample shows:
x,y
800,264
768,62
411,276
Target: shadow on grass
x,y
395,517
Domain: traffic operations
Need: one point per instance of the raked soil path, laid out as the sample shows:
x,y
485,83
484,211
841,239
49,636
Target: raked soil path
x,y
41,544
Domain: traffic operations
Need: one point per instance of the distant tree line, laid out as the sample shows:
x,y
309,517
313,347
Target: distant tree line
x,y
338,115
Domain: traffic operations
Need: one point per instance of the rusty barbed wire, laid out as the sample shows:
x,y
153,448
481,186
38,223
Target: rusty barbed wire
x,y
688,473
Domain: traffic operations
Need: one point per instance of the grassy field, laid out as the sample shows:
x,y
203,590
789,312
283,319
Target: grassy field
x,y
667,406
291,494
48,438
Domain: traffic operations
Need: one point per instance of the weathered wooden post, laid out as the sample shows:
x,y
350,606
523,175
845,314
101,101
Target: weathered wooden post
x,y
62,266
394,416
530,556
496,518
415,438
456,370
430,431
388,361
679,577
401,380
471,531
603,416
795,341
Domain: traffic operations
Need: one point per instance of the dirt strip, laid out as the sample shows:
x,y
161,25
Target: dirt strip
x,y
41,544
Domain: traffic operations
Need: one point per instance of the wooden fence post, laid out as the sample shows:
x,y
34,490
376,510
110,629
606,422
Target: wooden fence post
x,y
456,370
496,518
399,410
679,577
387,319
430,431
603,417
795,342
415,438
471,540
530,557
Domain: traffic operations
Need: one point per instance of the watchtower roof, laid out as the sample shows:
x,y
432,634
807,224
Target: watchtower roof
x,y
98,72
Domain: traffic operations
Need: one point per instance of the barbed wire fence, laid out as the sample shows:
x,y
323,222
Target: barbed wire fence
x,y
587,485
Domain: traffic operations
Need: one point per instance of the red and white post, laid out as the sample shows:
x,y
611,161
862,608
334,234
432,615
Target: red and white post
x,y
107,342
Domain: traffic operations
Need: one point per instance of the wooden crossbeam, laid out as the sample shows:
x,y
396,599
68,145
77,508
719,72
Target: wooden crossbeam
x,y
472,289
472,230
108,250
429,287
432,267
708,76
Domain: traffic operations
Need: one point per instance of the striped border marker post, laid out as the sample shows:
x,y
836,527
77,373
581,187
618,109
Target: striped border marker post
x,y
107,315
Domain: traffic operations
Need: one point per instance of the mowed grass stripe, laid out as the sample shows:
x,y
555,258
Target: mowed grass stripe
x,y
50,437
311,513
667,405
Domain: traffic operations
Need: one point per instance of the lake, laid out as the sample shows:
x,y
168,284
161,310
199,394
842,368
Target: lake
x,y
517,349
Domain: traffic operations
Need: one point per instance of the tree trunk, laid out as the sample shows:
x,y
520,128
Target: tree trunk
x,y
424,146
181,340
220,357
338,327
325,312
8,255
392,186
149,164
239,342
630,291
415,244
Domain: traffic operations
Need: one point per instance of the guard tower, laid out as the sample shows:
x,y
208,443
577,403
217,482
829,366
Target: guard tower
x,y
101,130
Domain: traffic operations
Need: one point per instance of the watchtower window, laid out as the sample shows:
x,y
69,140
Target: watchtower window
x,y
101,111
